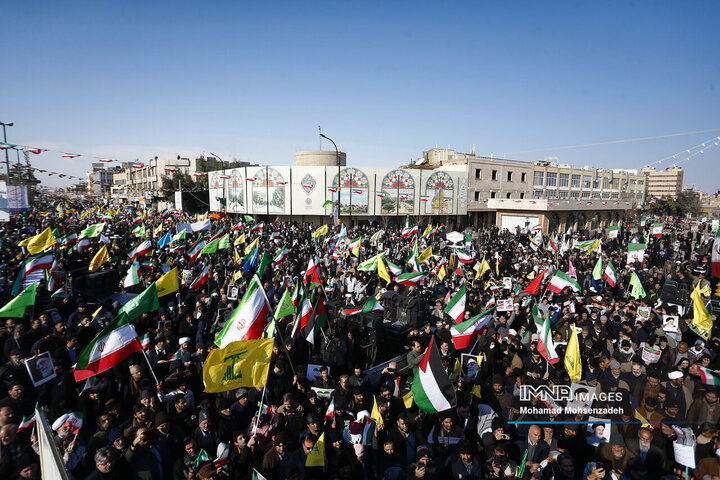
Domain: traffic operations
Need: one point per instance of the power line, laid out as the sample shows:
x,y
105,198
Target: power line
x,y
611,142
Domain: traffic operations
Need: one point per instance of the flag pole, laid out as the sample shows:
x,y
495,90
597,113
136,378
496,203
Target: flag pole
x,y
262,400
278,330
157,382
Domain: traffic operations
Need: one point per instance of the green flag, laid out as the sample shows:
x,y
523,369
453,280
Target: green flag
x,y
92,231
328,204
16,306
264,262
139,231
147,301
597,271
369,265
637,289
211,247
179,236
224,242
285,307
249,218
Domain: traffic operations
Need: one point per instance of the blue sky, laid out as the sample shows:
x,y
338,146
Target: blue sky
x,y
386,80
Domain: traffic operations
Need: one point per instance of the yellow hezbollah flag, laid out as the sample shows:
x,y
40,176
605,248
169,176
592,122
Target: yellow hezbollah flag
x,y
441,274
382,270
240,240
240,364
168,283
643,420
321,231
573,364
484,267
595,245
236,257
702,321
237,275
23,243
158,230
427,231
100,258
41,242
408,399
255,244
426,254
316,457
375,414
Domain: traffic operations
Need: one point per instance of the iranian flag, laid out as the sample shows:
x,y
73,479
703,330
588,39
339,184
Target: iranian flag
x,y
26,423
551,246
464,257
197,249
372,305
716,256
133,275
546,347
463,333
613,232
456,306
41,262
110,347
560,281
330,411
491,302
282,255
145,340
140,250
707,376
657,229
311,275
249,318
201,279
636,253
610,274
410,279
409,231
431,388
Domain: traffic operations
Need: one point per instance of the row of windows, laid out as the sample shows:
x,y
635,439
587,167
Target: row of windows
x,y
521,195
495,175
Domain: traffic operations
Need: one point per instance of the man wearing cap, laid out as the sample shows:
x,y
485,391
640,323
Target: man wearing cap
x,y
610,378
205,436
275,459
466,467
446,435
425,467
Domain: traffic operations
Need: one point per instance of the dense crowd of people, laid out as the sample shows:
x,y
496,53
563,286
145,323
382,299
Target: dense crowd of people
x,y
149,417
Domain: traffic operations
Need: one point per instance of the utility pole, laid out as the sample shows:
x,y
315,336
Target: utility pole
x,y
7,158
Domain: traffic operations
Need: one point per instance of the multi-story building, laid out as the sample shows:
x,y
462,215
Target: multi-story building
x,y
144,180
664,183
99,179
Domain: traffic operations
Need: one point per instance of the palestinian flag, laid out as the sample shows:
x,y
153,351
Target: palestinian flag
x,y
26,423
201,279
249,318
372,305
431,388
140,250
305,317
282,255
546,347
707,376
410,279
610,275
560,281
60,292
463,333
311,275
312,329
456,306
110,347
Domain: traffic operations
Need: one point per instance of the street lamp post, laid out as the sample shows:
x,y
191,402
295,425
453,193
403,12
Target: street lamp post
x,y
7,158
337,155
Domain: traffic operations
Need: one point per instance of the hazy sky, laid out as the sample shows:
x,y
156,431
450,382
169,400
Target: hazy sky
x,y
386,80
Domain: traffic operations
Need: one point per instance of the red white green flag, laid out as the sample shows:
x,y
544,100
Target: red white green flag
x,y
111,346
610,274
456,306
249,318
372,305
708,377
431,388
546,346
